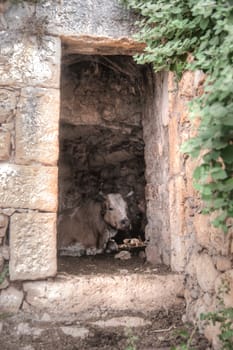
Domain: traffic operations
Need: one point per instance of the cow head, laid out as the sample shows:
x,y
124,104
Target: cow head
x,y
115,211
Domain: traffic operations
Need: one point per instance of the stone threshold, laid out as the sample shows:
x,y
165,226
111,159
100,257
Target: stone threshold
x,y
68,294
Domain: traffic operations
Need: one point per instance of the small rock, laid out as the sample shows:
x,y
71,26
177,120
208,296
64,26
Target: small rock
x,y
223,263
142,254
7,211
5,252
11,300
161,338
206,272
1,263
194,293
123,255
212,332
125,321
3,224
3,220
46,317
25,329
5,283
148,270
27,347
123,271
76,332
224,288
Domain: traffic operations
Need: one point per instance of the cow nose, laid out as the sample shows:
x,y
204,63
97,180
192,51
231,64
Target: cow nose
x,y
125,222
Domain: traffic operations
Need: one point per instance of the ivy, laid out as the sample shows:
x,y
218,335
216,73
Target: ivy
x,y
172,30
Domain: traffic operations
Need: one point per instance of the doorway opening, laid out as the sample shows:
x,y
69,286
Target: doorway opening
x,y
102,143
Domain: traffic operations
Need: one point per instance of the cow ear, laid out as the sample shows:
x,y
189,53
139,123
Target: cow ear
x,y
103,209
101,195
129,194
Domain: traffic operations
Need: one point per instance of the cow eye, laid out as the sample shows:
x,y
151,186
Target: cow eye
x,y
110,208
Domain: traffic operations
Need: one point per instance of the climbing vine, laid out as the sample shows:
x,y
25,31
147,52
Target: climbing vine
x,y
172,30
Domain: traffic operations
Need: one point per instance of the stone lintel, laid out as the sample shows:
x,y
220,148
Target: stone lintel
x,y
99,45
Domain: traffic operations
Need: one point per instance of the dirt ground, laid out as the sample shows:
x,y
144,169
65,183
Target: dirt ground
x,y
160,330
107,265
30,332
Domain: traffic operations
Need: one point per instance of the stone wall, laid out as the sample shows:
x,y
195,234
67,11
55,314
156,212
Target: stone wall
x,y
200,251
155,133
29,115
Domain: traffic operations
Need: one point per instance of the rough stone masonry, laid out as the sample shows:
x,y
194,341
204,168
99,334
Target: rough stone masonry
x,y
35,40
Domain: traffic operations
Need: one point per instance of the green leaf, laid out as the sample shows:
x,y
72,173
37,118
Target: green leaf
x,y
227,335
204,23
227,185
228,120
212,155
220,219
227,154
219,203
218,174
201,172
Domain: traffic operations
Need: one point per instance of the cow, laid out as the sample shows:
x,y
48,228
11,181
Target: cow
x,y
87,228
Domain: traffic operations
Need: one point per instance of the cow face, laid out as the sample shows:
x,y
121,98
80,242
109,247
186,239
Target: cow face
x,y
115,211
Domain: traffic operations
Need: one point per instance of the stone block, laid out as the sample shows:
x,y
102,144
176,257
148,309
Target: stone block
x,y
206,272
190,166
5,252
5,145
223,263
151,192
153,254
73,18
179,251
224,288
78,294
8,102
27,62
33,246
11,300
212,333
174,147
3,224
202,230
186,84
177,223
5,284
177,195
1,262
29,187
208,236
37,124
